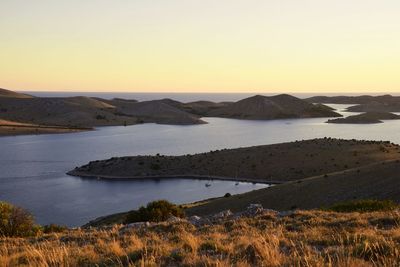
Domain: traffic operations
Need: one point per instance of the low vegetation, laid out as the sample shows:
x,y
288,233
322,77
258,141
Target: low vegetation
x,y
156,211
18,222
300,238
366,205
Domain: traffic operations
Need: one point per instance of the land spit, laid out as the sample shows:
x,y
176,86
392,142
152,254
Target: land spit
x,y
276,163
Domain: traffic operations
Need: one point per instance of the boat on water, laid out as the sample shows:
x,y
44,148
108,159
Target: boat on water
x,y
207,184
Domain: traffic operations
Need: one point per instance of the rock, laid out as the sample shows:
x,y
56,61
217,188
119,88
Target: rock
x,y
173,219
194,219
135,225
223,214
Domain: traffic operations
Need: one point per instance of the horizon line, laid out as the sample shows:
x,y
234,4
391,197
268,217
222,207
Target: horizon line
x,y
207,92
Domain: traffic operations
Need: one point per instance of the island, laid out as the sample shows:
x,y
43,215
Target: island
x,y
366,118
80,112
364,103
275,107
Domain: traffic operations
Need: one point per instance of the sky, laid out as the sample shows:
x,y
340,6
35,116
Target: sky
x,y
312,46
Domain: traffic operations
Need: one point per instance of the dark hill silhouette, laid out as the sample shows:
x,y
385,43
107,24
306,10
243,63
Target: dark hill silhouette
x,y
363,99
366,118
274,107
12,94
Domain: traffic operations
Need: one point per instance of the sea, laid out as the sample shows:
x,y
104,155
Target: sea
x,y
33,167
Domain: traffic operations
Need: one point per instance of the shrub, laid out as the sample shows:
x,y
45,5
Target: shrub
x,y
54,228
227,195
100,117
155,211
365,205
16,221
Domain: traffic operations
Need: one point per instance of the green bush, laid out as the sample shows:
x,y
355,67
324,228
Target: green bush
x,y
16,221
54,228
365,205
155,211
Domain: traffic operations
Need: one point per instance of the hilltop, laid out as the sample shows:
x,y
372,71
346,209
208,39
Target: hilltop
x,y
275,107
12,94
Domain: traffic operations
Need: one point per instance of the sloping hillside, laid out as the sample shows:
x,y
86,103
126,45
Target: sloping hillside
x,y
375,181
276,107
202,108
164,111
69,111
12,94
83,111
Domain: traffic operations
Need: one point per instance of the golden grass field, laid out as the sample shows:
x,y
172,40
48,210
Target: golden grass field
x,y
304,238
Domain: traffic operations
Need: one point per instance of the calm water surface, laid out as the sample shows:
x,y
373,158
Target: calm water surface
x,y
32,168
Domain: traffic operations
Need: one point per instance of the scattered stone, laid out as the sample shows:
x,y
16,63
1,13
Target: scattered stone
x,y
222,215
173,219
135,225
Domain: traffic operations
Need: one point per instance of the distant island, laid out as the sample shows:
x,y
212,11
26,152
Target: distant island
x,y
275,107
366,118
69,114
365,103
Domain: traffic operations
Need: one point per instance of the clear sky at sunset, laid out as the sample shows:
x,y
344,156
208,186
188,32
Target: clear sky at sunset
x,y
200,46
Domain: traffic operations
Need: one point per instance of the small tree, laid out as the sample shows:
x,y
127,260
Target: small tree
x,y
155,211
15,221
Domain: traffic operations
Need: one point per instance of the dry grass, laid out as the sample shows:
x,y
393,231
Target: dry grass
x,y
306,238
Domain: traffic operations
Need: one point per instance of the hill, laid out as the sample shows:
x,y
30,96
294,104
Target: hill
x,y
365,103
376,107
165,111
366,118
12,94
374,181
276,107
364,99
87,112
68,111
202,108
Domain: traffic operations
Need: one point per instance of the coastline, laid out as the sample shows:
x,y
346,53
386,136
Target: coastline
x,y
178,176
21,129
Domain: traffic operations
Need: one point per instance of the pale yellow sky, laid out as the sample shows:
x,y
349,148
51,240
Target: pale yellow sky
x,y
200,46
